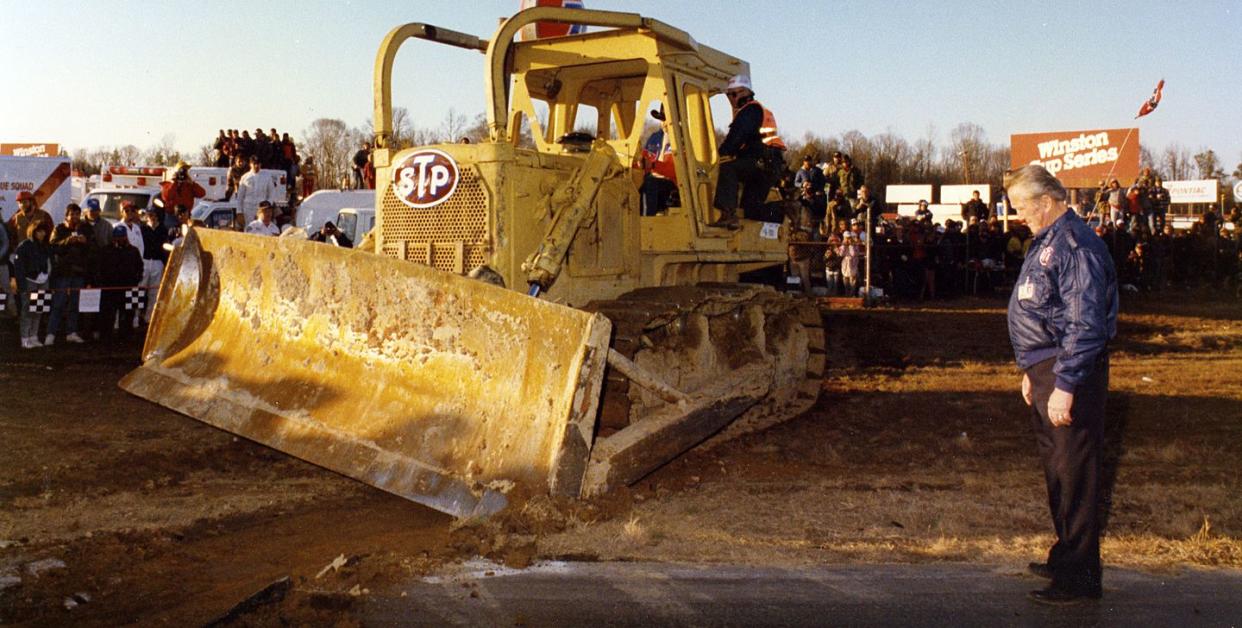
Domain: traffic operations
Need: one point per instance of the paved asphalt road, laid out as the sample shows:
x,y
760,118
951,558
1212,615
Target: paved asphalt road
x,y
480,593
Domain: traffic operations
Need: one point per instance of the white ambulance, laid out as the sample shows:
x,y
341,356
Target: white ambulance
x,y
48,178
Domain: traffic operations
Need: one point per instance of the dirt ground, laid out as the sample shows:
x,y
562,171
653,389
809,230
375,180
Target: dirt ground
x,y
114,510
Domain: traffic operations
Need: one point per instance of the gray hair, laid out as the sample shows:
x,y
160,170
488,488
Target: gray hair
x,y
1035,181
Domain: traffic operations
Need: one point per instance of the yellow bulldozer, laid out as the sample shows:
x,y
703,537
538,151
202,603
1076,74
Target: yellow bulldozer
x,y
519,327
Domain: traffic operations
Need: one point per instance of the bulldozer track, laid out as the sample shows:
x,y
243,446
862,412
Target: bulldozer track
x,y
693,336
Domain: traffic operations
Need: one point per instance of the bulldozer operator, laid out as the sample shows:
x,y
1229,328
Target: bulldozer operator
x,y
749,155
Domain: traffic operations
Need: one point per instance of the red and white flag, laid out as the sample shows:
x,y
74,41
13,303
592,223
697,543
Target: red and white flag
x,y
1152,102
540,30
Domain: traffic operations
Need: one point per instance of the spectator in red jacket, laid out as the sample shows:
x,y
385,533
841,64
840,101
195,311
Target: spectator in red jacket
x,y
180,191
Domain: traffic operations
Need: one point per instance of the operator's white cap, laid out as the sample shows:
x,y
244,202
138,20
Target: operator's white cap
x,y
740,81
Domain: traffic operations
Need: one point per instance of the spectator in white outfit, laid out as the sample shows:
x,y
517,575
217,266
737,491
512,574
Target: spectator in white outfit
x,y
133,225
254,188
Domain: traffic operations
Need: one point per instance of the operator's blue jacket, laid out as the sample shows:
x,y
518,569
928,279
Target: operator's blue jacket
x,y
1064,305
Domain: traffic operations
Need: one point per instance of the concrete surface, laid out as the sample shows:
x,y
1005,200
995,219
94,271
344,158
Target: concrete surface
x,y
481,593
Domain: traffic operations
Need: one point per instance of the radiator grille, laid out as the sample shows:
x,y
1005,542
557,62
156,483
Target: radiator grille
x,y
452,236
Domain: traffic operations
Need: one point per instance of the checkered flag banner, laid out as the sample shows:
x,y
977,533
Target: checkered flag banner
x,y
135,298
4,296
40,302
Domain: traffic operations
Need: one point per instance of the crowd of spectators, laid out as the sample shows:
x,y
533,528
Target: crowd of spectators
x,y
270,151
53,263
915,258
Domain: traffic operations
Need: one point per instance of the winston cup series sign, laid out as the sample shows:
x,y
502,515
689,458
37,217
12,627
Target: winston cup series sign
x,y
1080,158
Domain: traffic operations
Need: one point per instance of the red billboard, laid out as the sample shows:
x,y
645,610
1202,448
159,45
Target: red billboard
x,y
1080,158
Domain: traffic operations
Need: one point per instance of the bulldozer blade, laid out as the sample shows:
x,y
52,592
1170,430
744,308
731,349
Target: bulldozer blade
x,y
441,389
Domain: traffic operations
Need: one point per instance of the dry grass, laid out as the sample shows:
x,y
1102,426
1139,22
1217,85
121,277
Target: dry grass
x,y
920,451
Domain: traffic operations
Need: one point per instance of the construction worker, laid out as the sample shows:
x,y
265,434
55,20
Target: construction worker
x,y
746,154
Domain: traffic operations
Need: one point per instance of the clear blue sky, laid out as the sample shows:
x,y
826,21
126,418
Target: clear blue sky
x,y
88,74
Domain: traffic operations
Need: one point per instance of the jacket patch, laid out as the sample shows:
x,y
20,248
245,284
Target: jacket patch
x,y
1045,256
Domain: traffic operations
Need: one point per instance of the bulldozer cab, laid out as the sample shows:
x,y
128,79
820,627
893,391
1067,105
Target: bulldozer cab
x,y
552,104
563,105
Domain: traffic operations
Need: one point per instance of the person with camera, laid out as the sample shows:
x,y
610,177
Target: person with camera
x,y
180,191
329,234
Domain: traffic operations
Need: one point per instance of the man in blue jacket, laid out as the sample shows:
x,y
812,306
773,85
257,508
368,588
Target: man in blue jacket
x,y
1062,314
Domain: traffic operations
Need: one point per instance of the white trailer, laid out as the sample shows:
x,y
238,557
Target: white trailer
x,y
48,178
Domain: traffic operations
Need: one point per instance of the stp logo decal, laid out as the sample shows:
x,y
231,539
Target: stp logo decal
x,y
425,178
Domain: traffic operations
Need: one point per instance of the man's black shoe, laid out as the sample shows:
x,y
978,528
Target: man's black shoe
x,y
1061,597
1040,569
725,223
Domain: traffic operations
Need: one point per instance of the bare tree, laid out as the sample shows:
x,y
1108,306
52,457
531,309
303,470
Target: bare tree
x,y
80,162
891,155
163,153
331,142
1177,162
1146,159
477,131
127,155
968,151
1209,165
922,165
453,127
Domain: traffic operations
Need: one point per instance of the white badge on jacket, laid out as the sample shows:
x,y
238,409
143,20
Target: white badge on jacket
x,y
1026,290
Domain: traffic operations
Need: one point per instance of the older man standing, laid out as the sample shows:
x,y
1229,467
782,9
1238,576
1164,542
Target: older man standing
x,y
1062,314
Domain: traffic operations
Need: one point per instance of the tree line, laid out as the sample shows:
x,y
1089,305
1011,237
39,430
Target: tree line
x,y
968,156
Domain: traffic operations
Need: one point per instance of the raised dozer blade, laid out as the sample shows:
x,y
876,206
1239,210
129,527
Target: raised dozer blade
x,y
438,388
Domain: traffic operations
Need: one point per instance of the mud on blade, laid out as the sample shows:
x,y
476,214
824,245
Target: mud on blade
x,y
438,388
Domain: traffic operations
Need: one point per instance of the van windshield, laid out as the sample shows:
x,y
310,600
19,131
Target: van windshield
x,y
347,223
110,202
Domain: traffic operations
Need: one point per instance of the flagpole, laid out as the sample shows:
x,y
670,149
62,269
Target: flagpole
x,y
1119,153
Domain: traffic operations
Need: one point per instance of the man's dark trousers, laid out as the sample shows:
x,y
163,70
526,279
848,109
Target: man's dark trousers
x,y
1072,458
744,172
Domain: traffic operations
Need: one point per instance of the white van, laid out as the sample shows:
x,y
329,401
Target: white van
x,y
215,214
355,222
325,205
